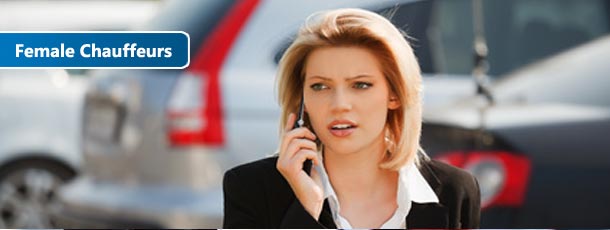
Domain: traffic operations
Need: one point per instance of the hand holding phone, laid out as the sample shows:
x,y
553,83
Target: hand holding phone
x,y
297,154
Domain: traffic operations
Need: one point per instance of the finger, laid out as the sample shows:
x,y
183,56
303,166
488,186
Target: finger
x,y
316,161
302,155
289,123
300,133
287,128
286,160
298,144
295,146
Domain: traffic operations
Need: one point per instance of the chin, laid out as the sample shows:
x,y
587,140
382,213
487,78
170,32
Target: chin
x,y
344,147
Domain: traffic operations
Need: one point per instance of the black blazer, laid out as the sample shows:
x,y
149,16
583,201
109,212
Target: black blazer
x,y
256,195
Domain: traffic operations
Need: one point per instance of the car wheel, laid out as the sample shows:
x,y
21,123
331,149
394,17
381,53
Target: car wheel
x,y
27,193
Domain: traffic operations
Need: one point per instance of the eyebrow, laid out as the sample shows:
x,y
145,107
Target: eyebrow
x,y
347,79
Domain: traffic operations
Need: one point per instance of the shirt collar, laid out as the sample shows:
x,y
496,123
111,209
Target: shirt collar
x,y
417,186
412,186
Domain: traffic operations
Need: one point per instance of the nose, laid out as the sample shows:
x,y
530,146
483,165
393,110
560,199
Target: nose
x,y
341,101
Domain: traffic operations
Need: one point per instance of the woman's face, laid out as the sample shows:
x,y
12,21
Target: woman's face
x,y
347,98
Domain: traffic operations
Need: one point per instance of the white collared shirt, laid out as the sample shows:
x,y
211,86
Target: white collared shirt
x,y
411,187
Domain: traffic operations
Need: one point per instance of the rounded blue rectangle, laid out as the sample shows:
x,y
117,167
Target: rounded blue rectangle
x,y
95,50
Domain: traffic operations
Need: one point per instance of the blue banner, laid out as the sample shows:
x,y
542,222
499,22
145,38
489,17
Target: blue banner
x,y
95,50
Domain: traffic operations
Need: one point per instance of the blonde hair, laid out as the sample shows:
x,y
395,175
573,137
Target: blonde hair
x,y
361,28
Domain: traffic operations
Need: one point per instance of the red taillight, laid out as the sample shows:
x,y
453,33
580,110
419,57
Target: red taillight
x,y
502,175
195,111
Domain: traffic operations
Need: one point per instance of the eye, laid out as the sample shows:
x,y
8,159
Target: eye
x,y
362,85
318,86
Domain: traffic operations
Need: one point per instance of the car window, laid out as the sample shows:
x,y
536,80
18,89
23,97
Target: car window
x,y
517,32
522,31
440,32
414,19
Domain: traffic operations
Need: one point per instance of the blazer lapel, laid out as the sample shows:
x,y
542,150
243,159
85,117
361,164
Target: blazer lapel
x,y
432,215
326,217
428,215
297,217
430,177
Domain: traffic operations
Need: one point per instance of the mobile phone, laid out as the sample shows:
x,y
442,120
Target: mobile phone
x,y
299,123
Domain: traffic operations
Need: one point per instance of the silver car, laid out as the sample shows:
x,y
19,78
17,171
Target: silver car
x,y
40,113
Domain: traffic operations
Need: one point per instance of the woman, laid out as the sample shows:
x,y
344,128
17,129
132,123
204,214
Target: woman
x,y
361,87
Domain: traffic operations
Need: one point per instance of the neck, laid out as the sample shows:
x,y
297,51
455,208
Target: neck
x,y
357,175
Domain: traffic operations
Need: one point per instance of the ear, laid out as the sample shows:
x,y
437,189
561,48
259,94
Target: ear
x,y
393,102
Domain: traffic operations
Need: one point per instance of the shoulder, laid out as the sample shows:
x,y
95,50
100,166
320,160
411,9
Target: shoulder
x,y
457,190
254,174
448,173
264,164
255,168
450,178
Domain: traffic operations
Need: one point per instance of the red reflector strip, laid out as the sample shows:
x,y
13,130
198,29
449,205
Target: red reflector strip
x,y
208,61
179,138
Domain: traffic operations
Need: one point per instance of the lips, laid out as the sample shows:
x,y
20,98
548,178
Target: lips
x,y
342,128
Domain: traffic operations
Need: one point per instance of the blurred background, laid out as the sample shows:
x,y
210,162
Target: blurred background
x,y
516,92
